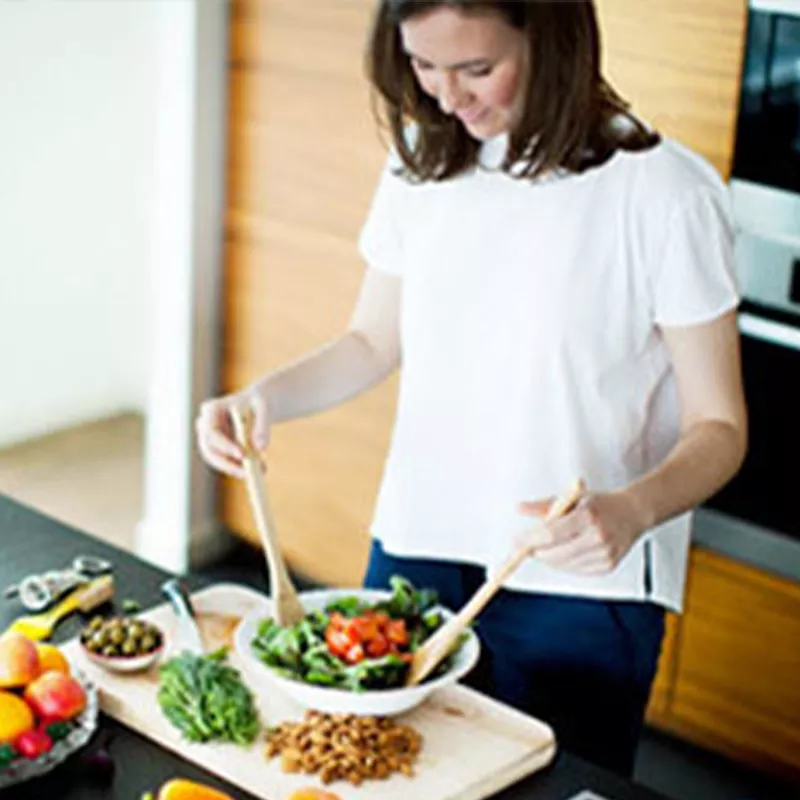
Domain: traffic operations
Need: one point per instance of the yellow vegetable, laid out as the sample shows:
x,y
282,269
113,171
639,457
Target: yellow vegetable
x,y
182,789
313,794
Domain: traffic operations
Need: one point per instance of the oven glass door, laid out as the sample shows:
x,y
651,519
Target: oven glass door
x,y
766,492
768,133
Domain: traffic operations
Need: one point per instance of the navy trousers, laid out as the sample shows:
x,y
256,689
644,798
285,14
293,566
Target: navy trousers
x,y
585,666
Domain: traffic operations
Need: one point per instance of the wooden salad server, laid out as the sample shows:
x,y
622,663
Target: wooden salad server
x,y
286,606
441,643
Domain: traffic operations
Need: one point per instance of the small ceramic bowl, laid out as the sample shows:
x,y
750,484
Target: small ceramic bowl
x,y
130,628
124,664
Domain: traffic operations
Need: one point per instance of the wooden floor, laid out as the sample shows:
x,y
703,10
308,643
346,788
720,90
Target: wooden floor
x,y
89,477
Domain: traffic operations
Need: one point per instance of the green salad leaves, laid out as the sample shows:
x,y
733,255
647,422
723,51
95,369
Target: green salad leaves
x,y
205,699
305,651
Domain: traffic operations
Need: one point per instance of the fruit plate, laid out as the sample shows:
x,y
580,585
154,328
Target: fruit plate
x,y
22,769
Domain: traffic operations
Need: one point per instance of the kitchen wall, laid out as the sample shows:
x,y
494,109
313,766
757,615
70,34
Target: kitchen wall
x,y
77,138
111,203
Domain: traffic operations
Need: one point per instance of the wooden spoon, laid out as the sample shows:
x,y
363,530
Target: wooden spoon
x,y
287,608
441,643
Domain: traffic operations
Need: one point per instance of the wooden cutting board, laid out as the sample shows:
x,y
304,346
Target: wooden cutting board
x,y
472,746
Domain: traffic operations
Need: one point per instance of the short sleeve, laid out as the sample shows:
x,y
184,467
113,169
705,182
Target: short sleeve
x,y
380,241
694,278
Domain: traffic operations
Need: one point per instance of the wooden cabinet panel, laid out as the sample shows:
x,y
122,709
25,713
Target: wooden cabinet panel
x,y
664,683
738,669
729,677
679,64
325,470
304,157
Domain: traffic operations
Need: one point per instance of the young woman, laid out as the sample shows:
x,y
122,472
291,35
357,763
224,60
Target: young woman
x,y
556,281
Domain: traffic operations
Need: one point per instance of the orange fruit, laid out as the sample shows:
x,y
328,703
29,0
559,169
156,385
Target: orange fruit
x,y
51,658
16,717
312,793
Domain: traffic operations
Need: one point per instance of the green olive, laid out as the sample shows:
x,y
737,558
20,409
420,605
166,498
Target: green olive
x,y
110,651
129,648
118,636
136,630
149,643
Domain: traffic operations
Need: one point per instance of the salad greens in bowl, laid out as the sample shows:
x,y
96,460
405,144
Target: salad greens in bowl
x,y
351,652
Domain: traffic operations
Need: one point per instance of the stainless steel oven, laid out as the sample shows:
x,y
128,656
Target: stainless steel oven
x,y
757,515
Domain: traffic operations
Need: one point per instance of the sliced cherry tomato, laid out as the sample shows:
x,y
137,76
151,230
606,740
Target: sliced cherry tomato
x,y
352,632
377,647
354,654
366,626
338,620
338,641
397,632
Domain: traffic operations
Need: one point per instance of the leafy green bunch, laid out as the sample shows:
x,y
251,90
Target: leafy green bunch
x,y
205,699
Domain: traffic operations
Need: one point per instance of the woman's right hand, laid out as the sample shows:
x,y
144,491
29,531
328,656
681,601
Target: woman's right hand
x,y
216,439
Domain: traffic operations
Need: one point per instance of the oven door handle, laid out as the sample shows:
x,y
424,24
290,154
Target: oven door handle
x,y
767,330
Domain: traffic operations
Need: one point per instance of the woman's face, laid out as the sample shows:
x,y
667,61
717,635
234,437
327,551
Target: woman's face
x,y
472,64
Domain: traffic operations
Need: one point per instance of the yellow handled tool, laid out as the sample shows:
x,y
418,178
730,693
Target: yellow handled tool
x,y
84,598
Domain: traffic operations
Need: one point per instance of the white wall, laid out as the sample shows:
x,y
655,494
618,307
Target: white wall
x,y
77,99
112,160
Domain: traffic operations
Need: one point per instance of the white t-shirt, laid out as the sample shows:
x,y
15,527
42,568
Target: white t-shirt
x,y
531,352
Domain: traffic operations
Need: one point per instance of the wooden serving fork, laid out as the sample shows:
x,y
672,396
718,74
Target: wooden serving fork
x,y
286,606
441,643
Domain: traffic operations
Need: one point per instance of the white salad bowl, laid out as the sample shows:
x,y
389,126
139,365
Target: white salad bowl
x,y
371,702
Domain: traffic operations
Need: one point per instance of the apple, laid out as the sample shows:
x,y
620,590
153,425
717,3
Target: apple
x,y
55,696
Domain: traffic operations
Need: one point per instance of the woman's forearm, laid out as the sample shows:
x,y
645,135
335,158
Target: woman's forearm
x,y
336,372
705,458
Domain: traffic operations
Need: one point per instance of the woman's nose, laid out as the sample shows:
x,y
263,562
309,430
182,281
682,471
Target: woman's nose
x,y
451,94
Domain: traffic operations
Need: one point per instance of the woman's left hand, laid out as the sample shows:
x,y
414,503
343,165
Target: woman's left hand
x,y
590,540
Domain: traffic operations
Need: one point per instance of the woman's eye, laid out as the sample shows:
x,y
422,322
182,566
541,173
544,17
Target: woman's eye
x,y
480,72
422,66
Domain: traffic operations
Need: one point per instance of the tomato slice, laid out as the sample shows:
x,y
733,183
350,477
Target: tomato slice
x,y
338,641
377,647
354,654
366,626
397,632
338,619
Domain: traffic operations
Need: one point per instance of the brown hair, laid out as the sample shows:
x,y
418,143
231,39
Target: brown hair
x,y
566,111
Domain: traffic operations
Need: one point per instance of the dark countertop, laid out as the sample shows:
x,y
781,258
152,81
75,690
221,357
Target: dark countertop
x,y
31,542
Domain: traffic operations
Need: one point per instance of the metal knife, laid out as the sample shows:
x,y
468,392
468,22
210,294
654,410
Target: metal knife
x,y
187,634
